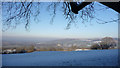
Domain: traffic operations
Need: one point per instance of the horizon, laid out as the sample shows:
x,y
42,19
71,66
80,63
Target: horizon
x,y
43,38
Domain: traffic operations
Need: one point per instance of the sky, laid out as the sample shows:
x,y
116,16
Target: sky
x,y
44,29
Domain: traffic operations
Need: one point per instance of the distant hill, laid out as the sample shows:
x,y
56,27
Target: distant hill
x,y
49,42
67,42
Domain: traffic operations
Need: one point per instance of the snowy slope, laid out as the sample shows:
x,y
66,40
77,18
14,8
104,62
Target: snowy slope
x,y
63,58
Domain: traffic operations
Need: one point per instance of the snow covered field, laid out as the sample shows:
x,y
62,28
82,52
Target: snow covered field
x,y
63,58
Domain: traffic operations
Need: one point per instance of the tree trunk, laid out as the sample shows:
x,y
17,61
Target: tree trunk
x,y
114,5
75,8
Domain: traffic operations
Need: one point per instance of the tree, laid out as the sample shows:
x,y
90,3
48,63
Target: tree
x,y
76,7
18,11
95,46
107,42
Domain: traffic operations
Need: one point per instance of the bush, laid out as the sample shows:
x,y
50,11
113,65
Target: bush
x,y
23,51
95,46
104,45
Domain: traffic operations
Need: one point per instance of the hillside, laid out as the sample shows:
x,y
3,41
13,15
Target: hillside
x,y
63,58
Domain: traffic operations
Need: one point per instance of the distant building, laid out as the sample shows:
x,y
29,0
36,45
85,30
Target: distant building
x,y
78,49
97,41
59,45
115,47
89,45
81,49
14,50
7,51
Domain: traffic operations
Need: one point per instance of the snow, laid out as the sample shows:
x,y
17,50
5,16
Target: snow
x,y
63,58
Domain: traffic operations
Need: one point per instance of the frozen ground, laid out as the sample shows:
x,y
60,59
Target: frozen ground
x,y
63,58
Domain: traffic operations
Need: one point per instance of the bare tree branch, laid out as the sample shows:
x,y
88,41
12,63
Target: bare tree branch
x,y
22,12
